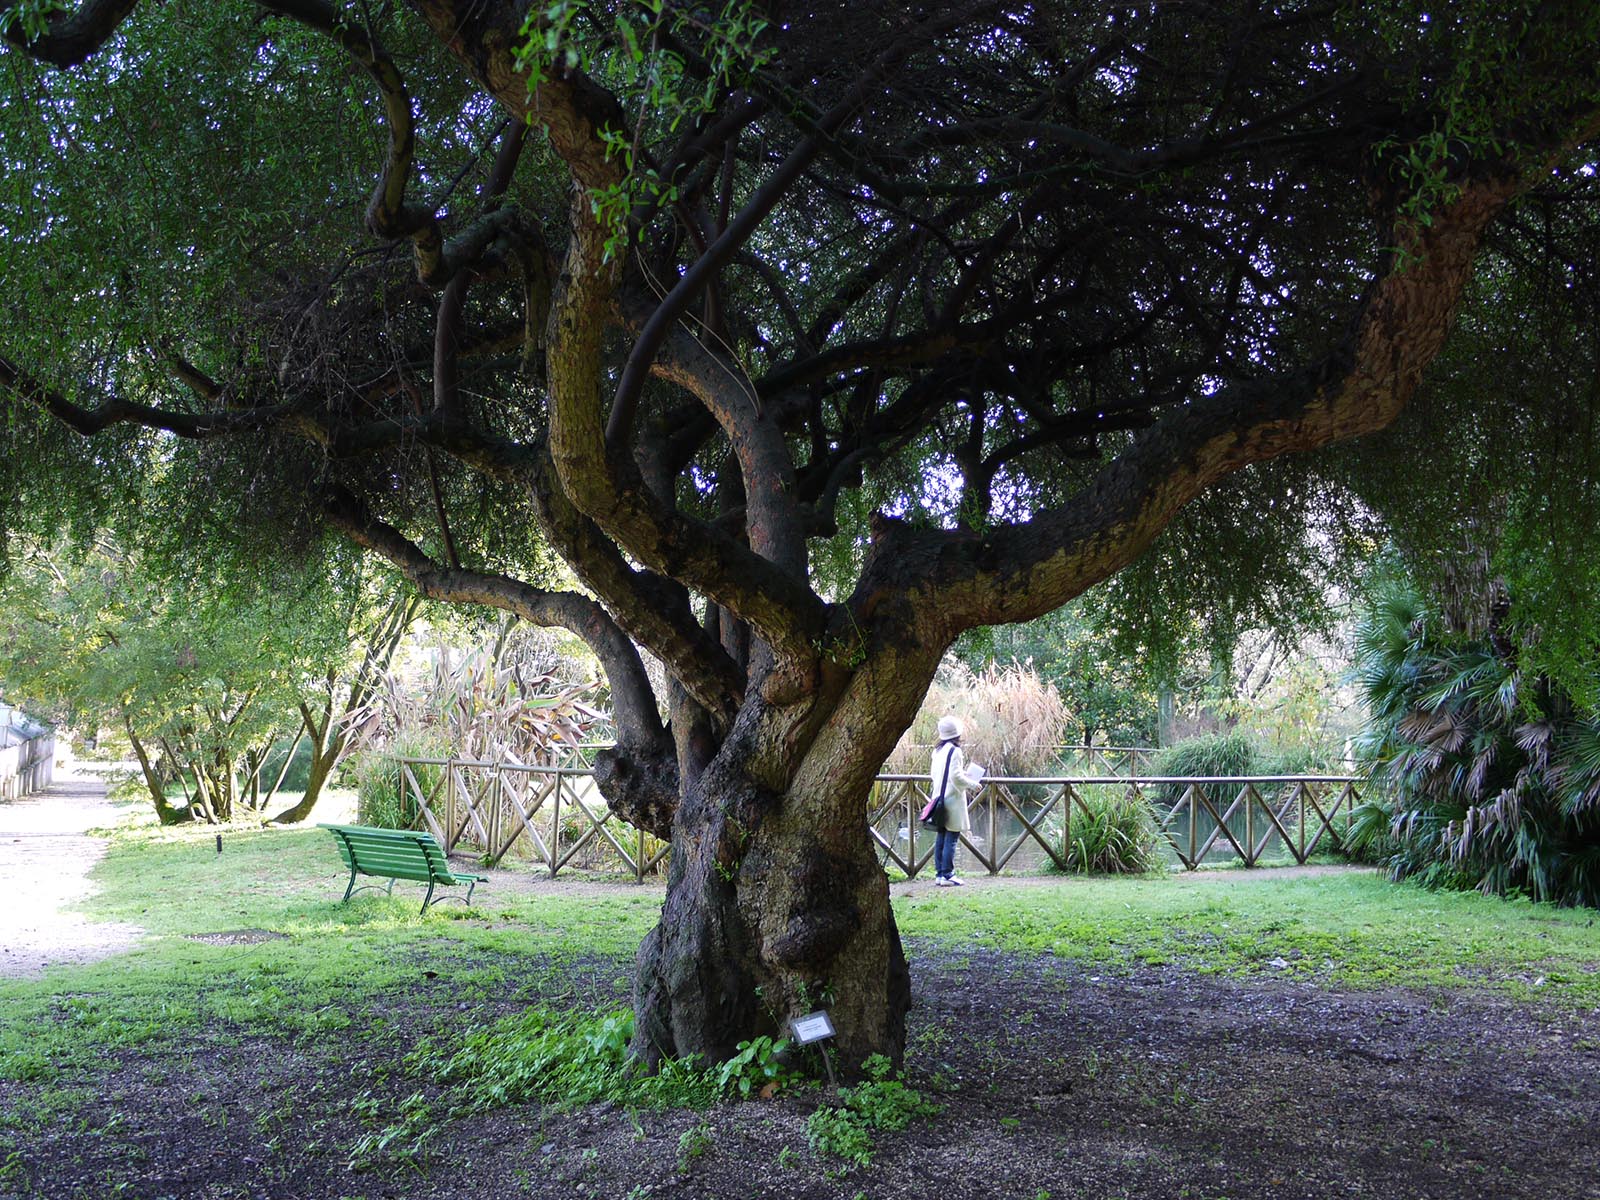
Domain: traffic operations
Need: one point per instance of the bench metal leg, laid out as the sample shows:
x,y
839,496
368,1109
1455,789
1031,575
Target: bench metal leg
x,y
428,899
352,887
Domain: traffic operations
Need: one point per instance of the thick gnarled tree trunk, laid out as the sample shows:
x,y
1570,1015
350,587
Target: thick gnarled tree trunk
x,y
776,903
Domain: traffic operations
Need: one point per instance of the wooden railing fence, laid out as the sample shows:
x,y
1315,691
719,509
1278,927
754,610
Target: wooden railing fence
x,y
550,816
554,816
1253,818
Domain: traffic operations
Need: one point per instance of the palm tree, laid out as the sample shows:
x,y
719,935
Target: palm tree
x,y
1490,778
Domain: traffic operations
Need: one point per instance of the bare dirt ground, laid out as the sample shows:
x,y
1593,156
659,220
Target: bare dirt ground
x,y
46,855
1055,1083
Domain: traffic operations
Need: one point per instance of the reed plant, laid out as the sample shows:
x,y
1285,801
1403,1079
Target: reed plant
x,y
1014,720
383,797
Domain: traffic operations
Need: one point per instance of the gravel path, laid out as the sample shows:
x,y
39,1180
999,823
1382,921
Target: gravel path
x,y
45,859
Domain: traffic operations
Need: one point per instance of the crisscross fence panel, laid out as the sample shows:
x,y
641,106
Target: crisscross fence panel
x,y
1101,761
547,816
1029,821
554,817
1256,818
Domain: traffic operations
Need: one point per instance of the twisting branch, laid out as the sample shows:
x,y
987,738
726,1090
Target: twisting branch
x,y
572,111
191,376
773,189
69,37
651,608
1359,388
28,389
630,686
570,107
388,215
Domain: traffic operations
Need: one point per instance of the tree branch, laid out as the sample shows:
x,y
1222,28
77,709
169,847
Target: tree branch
x,y
116,411
772,190
69,37
630,686
1022,571
388,214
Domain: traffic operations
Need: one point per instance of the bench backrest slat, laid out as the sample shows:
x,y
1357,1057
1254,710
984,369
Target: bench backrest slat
x,y
392,853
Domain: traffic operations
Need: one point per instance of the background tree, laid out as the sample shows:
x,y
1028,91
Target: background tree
x,y
194,687
964,303
200,679
378,616
1112,695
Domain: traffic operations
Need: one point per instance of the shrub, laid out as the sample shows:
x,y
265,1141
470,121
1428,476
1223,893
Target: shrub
x,y
378,791
1115,836
1210,754
1299,759
1367,837
1213,755
382,798
1492,774
879,1102
757,1069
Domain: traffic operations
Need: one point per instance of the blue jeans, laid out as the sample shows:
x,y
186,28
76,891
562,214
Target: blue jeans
x,y
944,852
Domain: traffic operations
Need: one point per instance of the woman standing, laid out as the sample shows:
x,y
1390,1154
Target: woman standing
x,y
951,773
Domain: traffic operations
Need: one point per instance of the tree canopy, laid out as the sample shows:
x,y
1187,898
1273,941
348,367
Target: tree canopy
x,y
809,337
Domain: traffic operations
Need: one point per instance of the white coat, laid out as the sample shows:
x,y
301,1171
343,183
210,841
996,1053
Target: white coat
x,y
962,779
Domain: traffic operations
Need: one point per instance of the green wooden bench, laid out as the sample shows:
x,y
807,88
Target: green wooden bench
x,y
398,854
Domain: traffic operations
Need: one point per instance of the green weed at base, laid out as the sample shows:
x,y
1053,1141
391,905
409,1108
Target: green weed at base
x,y
692,1143
562,1060
879,1102
756,1069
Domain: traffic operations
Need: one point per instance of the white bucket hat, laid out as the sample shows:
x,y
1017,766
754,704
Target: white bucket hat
x,y
949,728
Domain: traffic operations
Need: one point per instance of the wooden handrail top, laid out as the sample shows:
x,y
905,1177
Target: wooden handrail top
x,y
1081,780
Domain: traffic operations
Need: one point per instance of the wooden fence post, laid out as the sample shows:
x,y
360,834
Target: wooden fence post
x,y
450,826
1250,824
994,855
555,828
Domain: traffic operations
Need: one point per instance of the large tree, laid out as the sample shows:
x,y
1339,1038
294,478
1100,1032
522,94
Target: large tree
x,y
808,336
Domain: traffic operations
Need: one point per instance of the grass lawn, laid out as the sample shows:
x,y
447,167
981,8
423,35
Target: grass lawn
x,y
331,962
1352,929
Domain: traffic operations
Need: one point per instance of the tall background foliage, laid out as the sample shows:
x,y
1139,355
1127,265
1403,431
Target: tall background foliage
x,y
1488,771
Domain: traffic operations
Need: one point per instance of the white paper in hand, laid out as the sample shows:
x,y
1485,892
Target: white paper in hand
x,y
975,772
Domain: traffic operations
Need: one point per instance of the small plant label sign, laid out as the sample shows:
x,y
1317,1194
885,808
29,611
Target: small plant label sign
x,y
812,1027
